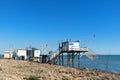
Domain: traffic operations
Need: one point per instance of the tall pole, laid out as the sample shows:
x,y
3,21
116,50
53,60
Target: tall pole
x,y
10,51
59,55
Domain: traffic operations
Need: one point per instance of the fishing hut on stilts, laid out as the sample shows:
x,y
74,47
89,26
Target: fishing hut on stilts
x,y
71,49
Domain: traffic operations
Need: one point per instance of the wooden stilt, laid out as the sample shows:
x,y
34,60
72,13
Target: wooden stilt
x,y
78,60
62,60
68,59
72,59
59,59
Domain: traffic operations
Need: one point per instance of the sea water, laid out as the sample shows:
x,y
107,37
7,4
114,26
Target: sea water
x,y
1,55
110,63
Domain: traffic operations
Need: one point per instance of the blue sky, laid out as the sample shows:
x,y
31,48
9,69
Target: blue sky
x,y
36,22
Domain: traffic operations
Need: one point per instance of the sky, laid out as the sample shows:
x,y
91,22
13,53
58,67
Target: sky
x,y
38,22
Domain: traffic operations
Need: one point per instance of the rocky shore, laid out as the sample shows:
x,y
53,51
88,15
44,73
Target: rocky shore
x,y
20,70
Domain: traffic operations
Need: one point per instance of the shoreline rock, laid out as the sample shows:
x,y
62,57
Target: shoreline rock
x,y
19,70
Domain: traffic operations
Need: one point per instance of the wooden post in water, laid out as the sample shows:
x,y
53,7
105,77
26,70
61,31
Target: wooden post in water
x,y
73,60
68,59
62,60
78,60
59,59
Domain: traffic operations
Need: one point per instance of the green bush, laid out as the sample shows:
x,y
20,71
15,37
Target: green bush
x,y
32,78
65,79
0,69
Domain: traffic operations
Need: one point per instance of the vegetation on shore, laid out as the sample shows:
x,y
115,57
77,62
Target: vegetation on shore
x,y
22,70
0,69
32,78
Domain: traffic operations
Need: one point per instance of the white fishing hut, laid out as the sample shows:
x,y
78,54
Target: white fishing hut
x,y
8,54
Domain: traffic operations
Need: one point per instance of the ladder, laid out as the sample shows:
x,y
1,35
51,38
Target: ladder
x,y
54,55
91,54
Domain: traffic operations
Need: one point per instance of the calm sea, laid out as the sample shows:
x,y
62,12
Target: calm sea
x,y
110,63
1,55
